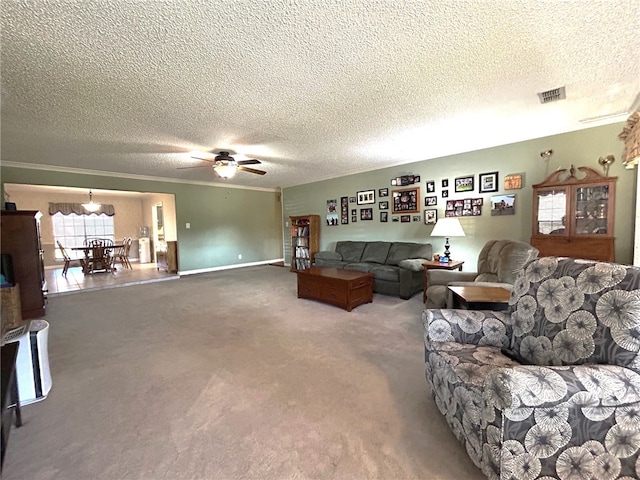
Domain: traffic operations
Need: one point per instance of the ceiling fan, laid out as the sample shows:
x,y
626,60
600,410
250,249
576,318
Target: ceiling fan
x,y
226,166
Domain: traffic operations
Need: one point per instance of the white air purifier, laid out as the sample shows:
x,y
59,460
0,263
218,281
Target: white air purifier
x,y
144,250
32,364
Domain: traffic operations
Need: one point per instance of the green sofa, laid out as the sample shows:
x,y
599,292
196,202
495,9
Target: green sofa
x,y
396,266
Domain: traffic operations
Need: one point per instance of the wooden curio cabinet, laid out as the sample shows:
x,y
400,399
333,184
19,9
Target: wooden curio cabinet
x,y
305,241
20,232
573,214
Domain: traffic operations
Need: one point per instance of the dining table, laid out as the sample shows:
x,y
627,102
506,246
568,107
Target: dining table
x,y
88,250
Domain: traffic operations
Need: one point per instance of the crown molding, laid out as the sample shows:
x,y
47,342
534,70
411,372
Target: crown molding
x,y
150,178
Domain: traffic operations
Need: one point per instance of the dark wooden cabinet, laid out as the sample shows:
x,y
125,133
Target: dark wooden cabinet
x,y
305,241
20,232
167,256
573,214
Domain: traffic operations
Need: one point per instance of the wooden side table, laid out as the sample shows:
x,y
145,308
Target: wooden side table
x,y
450,265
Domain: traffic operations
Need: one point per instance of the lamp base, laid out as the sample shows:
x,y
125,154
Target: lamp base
x,y
447,253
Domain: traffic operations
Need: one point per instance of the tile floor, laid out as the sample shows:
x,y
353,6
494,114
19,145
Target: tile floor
x,y
76,281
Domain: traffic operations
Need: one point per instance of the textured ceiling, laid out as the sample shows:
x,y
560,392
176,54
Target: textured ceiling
x,y
315,88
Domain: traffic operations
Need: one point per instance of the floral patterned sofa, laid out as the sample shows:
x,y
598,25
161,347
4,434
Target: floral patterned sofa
x,y
551,388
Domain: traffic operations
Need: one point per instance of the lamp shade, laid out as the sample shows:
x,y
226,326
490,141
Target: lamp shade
x,y
448,227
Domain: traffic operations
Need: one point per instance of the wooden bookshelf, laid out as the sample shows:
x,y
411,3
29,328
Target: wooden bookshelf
x,y
305,241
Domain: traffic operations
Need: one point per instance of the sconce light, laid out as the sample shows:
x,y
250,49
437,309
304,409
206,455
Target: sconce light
x,y
546,154
606,162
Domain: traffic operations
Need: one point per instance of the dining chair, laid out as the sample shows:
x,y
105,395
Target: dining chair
x,y
121,253
68,259
101,256
127,249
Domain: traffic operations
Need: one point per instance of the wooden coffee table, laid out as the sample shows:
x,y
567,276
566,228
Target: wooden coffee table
x,y
344,288
480,297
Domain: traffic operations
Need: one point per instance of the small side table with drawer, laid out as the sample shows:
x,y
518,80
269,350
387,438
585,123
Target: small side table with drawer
x,y
432,264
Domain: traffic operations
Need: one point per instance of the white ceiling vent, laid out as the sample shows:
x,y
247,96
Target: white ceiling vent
x,y
552,95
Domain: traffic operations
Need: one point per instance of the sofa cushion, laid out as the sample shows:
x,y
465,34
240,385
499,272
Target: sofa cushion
x,y
570,312
359,266
328,255
413,264
388,273
350,251
376,252
403,250
421,250
329,263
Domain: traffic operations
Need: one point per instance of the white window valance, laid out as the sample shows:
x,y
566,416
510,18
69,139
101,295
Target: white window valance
x,y
78,209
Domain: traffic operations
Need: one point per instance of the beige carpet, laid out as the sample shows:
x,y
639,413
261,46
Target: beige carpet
x,y
229,376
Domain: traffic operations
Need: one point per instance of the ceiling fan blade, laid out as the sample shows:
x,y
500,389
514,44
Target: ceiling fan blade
x,y
197,166
251,170
204,159
251,161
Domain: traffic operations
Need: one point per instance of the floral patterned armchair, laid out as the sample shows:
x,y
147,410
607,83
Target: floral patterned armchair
x,y
551,388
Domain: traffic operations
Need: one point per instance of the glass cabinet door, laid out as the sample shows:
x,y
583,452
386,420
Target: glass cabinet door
x,y
592,210
552,211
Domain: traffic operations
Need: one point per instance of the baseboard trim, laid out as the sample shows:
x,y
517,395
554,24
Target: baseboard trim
x,y
229,267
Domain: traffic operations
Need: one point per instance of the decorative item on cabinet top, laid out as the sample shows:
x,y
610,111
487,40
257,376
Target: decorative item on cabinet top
x,y
630,135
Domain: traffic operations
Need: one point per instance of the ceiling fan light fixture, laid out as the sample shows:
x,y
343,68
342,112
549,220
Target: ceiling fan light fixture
x,y
226,170
91,206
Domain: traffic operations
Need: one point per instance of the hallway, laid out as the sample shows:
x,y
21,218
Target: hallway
x,y
76,281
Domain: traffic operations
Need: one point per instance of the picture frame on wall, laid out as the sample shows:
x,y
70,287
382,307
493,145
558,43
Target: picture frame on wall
x,y
366,214
366,197
430,216
430,201
488,182
383,205
416,218
503,205
445,193
354,218
405,218
445,183
384,217
344,210
406,200
352,199
431,186
405,180
514,181
383,192
464,184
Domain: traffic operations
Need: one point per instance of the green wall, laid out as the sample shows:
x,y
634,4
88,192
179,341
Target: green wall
x,y
580,148
225,222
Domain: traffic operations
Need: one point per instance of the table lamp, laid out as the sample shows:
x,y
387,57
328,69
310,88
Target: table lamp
x,y
447,227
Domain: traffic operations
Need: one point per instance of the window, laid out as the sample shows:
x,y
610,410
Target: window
x,y
71,231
